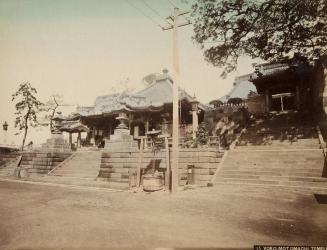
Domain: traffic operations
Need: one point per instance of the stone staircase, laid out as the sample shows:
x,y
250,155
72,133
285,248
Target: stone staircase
x,y
8,163
82,165
279,150
8,168
80,169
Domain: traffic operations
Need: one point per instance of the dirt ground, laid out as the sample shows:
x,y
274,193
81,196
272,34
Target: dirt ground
x,y
39,216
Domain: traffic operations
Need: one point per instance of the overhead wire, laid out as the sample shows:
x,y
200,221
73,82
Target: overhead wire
x,y
152,9
155,11
172,4
143,13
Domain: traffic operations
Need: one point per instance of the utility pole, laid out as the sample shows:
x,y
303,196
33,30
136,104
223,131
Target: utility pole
x,y
175,150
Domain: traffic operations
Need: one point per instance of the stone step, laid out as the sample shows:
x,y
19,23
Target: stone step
x,y
84,165
115,179
304,173
277,169
281,188
78,168
82,182
266,150
70,177
77,175
253,164
280,134
277,178
271,182
261,162
260,146
274,160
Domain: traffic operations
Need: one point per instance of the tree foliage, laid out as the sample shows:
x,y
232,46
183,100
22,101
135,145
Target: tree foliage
x,y
27,107
266,29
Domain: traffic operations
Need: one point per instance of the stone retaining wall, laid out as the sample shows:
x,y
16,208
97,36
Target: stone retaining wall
x,y
6,157
205,162
115,166
42,162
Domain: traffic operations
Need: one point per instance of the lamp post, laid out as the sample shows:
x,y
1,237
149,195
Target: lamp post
x,y
5,129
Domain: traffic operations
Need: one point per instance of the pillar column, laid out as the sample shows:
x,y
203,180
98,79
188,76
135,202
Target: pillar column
x,y
146,125
93,136
282,103
70,138
267,100
79,140
297,92
136,131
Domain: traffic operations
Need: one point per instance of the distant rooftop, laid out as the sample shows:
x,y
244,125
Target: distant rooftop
x,y
241,88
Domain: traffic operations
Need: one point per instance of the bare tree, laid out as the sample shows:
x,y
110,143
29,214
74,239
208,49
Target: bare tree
x,y
27,108
51,106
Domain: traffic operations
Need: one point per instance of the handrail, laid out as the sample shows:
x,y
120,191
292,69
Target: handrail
x,y
212,140
16,161
233,144
62,163
321,141
232,147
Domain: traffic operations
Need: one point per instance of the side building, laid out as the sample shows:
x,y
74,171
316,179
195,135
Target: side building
x,y
290,84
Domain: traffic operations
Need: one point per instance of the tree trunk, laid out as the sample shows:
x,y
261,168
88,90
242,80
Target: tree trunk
x,y
25,130
51,123
324,94
25,133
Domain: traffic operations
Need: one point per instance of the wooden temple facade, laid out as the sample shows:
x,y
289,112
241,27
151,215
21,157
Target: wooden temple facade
x,y
146,110
288,85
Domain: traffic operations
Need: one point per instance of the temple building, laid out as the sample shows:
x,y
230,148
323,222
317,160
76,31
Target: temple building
x,y
290,84
143,111
286,85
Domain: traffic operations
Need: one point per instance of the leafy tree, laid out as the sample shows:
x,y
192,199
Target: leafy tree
x,y
27,107
266,29
202,134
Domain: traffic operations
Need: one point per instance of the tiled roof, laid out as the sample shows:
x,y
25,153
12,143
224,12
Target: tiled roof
x,y
154,96
73,126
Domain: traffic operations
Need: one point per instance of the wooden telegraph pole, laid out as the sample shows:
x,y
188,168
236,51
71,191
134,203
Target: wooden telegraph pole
x,y
175,150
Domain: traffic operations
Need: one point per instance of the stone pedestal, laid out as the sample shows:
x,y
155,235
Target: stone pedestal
x,y
56,143
121,140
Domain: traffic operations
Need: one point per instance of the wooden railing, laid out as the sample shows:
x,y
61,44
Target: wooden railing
x,y
322,142
146,142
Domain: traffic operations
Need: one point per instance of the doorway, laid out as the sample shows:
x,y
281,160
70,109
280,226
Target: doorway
x,y
283,101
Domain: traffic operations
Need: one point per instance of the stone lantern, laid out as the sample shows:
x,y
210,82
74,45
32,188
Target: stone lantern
x,y
121,140
122,118
5,129
195,111
5,126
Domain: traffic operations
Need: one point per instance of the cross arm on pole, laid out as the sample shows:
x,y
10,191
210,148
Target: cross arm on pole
x,y
179,25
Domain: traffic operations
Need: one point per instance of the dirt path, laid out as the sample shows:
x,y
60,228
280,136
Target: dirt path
x,y
37,216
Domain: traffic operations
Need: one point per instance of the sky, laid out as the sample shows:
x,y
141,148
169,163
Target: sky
x,y
85,48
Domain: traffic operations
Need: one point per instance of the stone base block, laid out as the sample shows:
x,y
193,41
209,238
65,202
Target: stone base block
x,y
121,145
56,143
